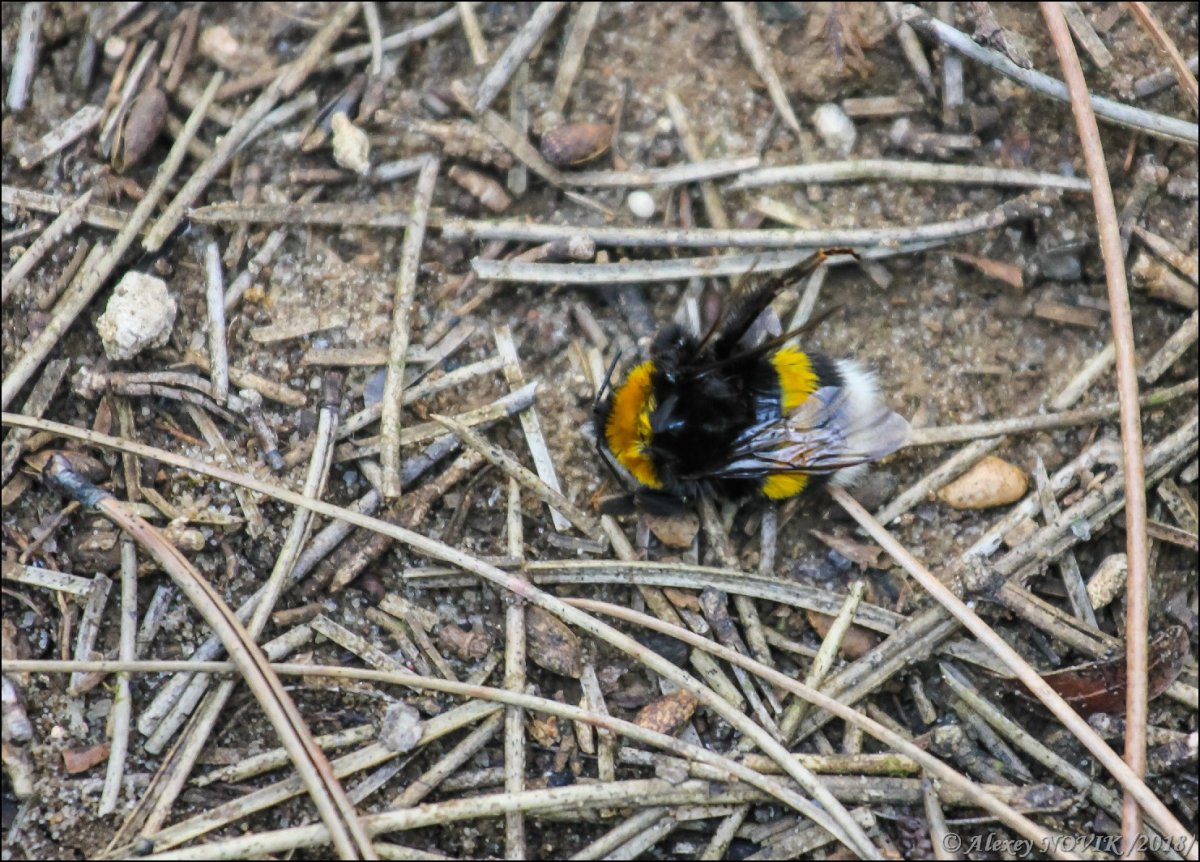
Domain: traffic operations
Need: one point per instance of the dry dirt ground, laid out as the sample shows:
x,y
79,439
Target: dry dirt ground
x,y
949,344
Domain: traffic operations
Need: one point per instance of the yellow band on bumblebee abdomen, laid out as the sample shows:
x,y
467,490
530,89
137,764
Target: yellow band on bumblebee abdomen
x,y
781,485
797,380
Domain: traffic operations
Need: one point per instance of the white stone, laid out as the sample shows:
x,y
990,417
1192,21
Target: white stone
x,y
140,314
835,128
351,147
641,204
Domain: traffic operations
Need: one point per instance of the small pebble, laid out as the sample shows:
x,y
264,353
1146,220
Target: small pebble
x,y
401,728
991,482
218,44
351,148
641,204
139,314
1109,580
835,128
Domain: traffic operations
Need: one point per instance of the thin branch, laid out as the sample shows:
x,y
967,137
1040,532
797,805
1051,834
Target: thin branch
x,y
514,55
1029,424
1157,125
893,170
218,350
369,215
406,287
1151,24
471,29
753,45
1137,549
25,56
572,55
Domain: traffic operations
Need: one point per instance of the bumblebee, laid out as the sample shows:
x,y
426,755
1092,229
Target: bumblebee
x,y
721,414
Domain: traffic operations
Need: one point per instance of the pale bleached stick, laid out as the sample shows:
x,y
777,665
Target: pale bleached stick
x,y
60,228
406,288
25,56
123,700
514,55
753,45
507,349
572,56
214,294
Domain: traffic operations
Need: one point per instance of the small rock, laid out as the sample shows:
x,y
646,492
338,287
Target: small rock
x,y
675,531
552,645
351,147
1020,532
1108,581
641,204
835,128
218,44
139,314
401,728
77,760
114,47
991,482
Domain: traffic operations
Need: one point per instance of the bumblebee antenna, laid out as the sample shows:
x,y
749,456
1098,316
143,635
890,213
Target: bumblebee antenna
x,y
606,386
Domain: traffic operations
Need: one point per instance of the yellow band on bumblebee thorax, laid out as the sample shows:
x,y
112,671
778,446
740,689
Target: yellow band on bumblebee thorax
x,y
627,430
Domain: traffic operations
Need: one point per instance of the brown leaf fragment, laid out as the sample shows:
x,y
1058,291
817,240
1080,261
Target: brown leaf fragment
x,y
552,645
544,730
1009,273
667,714
685,600
674,531
857,641
866,556
76,760
481,187
467,645
1099,686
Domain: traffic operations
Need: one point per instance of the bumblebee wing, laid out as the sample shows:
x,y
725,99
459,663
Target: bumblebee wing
x,y
832,430
747,304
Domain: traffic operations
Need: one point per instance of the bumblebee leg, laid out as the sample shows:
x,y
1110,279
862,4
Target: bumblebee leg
x,y
662,504
621,504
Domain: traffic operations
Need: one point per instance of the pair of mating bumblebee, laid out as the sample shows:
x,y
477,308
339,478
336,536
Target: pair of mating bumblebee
x,y
738,415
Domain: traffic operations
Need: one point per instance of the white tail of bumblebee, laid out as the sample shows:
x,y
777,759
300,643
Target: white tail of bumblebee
x,y
871,428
